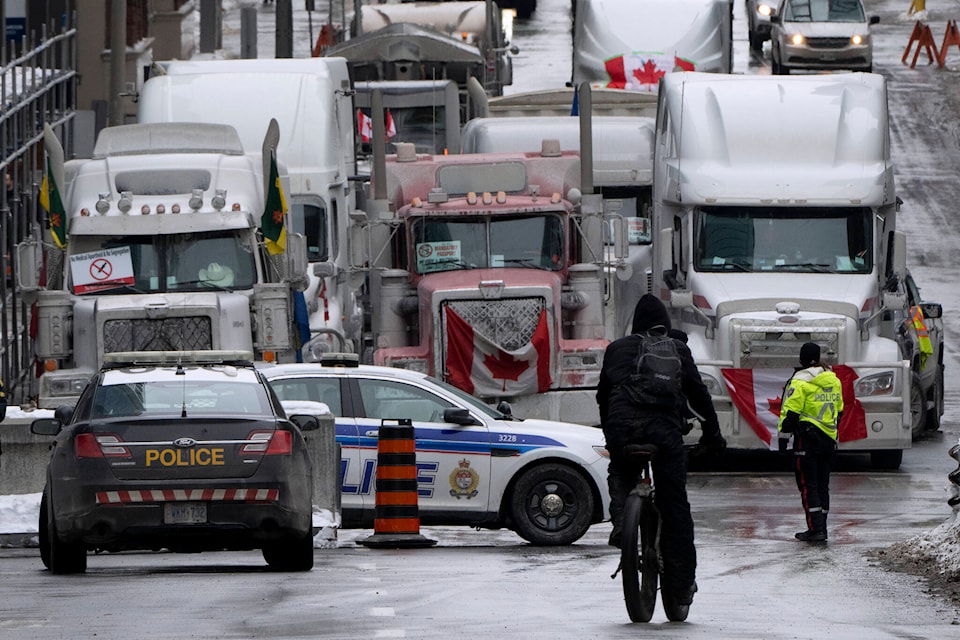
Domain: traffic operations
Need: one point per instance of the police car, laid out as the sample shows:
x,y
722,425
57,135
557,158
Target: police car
x,y
475,465
186,451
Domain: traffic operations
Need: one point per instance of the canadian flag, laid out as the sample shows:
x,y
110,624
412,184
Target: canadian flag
x,y
641,71
480,367
365,126
757,394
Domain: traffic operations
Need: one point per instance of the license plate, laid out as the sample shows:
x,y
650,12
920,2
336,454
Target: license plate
x,y
184,512
828,57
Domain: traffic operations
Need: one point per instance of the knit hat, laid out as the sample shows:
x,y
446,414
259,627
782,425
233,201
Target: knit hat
x,y
809,354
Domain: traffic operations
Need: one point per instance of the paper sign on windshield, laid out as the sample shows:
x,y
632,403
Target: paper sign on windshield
x,y
437,256
98,270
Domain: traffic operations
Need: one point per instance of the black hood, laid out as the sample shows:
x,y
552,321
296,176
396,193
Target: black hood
x,y
650,313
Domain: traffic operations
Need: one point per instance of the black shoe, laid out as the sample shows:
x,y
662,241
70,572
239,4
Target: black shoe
x,y
616,536
684,595
811,536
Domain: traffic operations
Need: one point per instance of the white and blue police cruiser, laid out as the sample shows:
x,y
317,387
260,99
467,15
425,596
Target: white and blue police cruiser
x,y
476,466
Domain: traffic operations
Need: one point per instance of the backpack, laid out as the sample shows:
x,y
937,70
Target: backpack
x,y
656,377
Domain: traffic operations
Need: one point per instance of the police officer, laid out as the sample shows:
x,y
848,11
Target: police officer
x,y
811,409
624,422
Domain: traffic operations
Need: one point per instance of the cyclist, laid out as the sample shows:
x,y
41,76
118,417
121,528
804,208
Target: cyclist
x,y
624,421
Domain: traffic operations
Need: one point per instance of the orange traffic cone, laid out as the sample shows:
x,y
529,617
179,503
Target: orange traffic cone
x,y
396,518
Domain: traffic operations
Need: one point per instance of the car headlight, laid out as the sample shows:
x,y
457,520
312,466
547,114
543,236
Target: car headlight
x,y
764,10
797,39
601,450
858,39
879,384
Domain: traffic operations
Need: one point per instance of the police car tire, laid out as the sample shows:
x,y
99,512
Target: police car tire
x,y
290,555
918,408
63,557
526,505
44,539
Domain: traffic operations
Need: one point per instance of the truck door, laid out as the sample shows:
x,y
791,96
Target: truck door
x,y
453,461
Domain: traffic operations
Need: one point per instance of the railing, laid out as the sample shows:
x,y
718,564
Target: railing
x,y
37,85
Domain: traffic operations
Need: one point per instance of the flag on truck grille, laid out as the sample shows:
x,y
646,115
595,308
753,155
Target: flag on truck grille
x,y
52,203
757,394
640,71
481,367
271,222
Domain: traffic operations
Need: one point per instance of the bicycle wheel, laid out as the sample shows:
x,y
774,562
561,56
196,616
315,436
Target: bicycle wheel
x,y
675,611
639,558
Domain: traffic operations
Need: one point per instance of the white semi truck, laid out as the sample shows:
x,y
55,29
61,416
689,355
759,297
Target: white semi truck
x,y
312,101
775,210
162,251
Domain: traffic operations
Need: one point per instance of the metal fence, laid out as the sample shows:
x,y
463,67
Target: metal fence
x,y
38,86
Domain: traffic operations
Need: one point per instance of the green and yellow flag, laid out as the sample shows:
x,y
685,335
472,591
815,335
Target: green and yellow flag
x,y
271,223
51,202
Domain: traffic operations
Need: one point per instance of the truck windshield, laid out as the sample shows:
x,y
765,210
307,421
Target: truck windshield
x,y
441,244
804,239
177,262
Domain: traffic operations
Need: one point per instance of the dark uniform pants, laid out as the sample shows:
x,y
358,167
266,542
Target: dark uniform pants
x,y
670,480
814,453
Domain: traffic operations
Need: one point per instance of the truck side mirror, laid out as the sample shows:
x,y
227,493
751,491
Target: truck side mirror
x,y
29,259
296,261
931,310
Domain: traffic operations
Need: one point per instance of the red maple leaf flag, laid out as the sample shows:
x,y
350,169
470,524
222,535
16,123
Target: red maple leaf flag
x,y
640,71
364,126
477,365
391,127
757,395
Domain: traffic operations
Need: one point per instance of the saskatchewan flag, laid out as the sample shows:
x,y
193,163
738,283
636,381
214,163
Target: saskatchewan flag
x,y
271,223
50,200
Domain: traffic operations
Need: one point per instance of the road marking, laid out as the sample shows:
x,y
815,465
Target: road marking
x,y
382,612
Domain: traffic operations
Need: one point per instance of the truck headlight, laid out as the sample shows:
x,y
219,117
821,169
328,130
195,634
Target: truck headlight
x,y
410,364
67,386
713,385
879,384
591,359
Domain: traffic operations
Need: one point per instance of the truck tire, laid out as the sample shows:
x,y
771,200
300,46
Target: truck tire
x,y
756,41
551,505
918,408
886,459
290,555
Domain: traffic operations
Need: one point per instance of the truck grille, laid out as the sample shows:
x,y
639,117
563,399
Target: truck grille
x,y
509,323
768,347
161,334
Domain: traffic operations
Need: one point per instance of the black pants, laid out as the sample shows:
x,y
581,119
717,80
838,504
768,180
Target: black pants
x,y
814,453
670,480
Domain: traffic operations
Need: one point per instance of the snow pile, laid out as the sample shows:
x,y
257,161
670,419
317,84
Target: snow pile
x,y
939,547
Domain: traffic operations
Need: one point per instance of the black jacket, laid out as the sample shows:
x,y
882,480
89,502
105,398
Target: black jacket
x,y
616,409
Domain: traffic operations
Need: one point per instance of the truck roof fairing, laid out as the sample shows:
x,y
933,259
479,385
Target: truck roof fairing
x,y
622,146
776,140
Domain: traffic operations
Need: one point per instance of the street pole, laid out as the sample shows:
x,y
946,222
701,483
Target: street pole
x,y
284,14
118,59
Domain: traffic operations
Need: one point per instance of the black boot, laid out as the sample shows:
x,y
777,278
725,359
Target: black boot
x,y
819,531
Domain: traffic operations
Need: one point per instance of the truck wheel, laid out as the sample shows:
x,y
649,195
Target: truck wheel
x,y
936,408
62,557
887,459
756,41
551,505
525,9
918,408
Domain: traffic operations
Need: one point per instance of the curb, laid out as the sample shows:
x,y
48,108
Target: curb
x,y
19,540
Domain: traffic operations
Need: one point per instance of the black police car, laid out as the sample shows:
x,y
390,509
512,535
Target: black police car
x,y
185,451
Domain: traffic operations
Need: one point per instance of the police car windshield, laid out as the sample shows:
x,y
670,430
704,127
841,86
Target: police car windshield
x,y
796,239
469,400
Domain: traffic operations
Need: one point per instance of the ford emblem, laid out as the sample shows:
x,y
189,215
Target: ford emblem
x,y
184,443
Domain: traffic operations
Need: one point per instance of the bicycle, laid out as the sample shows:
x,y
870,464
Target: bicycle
x,y
641,563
